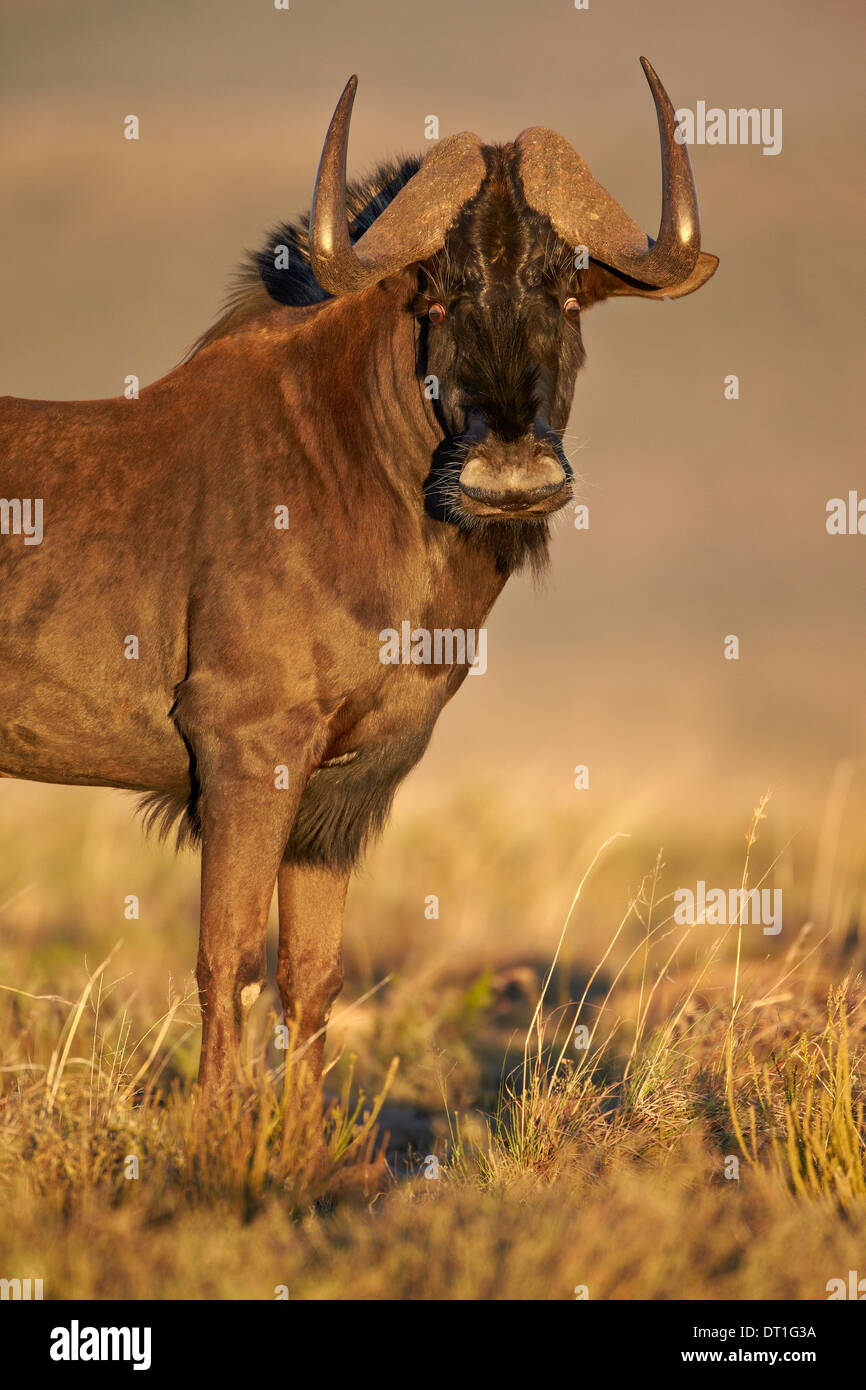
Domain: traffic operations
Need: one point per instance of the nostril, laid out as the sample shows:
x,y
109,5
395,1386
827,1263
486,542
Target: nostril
x,y
517,481
505,479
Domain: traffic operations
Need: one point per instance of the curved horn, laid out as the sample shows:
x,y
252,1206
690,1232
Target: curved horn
x,y
412,226
556,182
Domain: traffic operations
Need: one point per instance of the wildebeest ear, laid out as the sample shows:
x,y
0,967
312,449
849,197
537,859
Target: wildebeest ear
x,y
597,282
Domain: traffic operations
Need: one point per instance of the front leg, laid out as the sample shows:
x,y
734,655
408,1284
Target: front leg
x,y
246,819
310,969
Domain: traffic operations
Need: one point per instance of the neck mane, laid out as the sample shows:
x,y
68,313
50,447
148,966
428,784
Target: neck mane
x,y
280,273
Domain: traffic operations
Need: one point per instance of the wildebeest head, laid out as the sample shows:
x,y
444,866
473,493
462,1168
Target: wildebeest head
x,y
510,242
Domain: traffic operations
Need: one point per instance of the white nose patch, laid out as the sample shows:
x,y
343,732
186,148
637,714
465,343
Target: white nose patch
x,y
249,995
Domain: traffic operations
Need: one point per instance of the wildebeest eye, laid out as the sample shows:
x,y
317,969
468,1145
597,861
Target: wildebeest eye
x,y
436,313
571,308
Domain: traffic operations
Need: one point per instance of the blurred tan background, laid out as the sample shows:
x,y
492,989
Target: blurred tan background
x,y
707,516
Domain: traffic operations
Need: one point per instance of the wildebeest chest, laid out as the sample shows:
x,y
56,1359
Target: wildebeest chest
x,y
364,657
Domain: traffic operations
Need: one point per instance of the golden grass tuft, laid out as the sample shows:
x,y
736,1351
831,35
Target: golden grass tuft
x,y
697,1091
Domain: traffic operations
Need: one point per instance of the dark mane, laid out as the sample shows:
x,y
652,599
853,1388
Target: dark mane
x,y
259,283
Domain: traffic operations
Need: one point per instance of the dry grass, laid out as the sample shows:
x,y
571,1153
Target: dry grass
x,y
696,1091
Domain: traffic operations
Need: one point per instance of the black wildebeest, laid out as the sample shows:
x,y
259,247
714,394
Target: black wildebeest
x,y
257,710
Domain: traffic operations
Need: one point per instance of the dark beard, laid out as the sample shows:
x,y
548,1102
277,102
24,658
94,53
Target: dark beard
x,y
512,544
